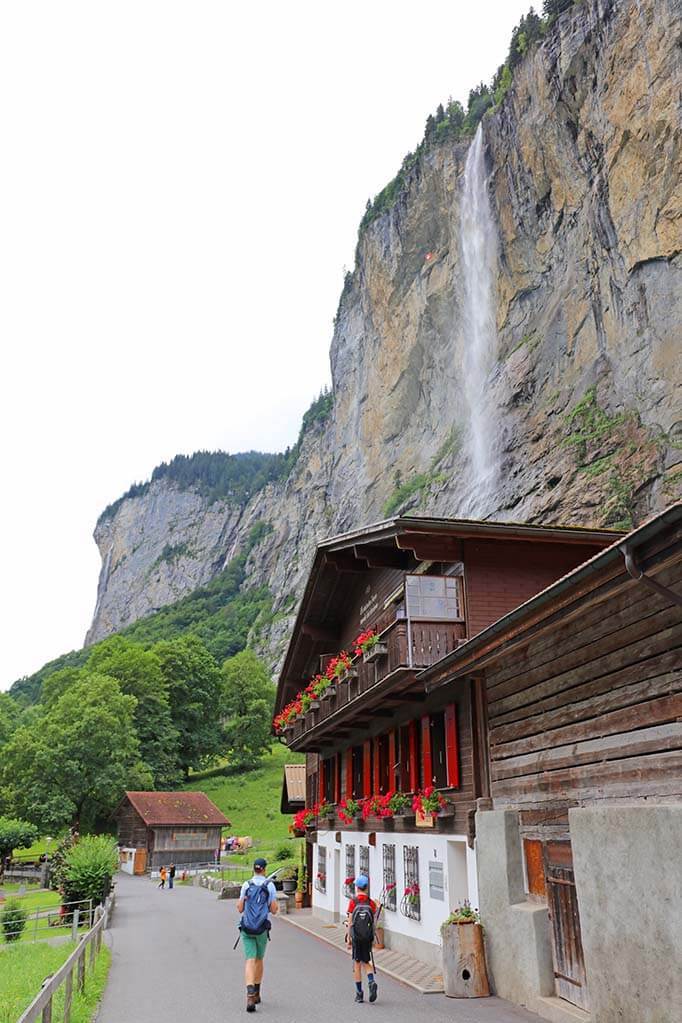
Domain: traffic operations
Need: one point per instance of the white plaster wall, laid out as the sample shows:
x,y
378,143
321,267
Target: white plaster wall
x,y
450,850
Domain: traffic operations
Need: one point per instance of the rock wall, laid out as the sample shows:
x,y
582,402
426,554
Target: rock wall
x,y
584,158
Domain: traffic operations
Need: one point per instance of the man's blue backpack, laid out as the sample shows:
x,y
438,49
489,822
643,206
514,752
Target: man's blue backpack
x,y
255,919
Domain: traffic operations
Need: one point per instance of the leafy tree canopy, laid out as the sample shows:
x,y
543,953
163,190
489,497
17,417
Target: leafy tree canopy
x,y
138,673
72,764
193,681
14,834
9,717
248,701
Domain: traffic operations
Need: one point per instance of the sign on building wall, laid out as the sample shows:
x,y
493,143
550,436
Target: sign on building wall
x,y
432,598
436,881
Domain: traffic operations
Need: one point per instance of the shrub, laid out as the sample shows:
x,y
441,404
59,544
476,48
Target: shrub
x,y
13,920
282,852
88,869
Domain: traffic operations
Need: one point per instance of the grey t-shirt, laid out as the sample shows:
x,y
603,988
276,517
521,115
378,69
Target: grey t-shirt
x,y
260,879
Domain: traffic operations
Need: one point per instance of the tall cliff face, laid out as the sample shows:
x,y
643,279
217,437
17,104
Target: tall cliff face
x,y
583,160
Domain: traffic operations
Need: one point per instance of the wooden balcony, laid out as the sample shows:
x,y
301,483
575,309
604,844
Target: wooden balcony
x,y
411,646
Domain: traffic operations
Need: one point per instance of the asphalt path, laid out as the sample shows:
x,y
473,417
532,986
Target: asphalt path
x,y
173,963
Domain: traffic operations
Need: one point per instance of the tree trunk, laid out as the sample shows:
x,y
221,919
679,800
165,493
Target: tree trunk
x,y
464,970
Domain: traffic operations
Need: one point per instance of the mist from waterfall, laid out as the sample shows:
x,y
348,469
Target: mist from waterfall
x,y
478,243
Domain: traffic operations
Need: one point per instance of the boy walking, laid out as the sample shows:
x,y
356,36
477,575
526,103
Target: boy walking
x,y
257,899
360,933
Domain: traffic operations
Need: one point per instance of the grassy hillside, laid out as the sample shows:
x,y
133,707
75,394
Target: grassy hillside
x,y
251,800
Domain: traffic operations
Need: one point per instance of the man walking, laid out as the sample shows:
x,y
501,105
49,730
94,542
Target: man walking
x,y
257,899
171,875
360,932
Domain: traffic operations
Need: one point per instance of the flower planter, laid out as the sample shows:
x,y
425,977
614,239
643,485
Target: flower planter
x,y
464,968
328,693
350,673
405,820
314,705
289,885
299,899
375,652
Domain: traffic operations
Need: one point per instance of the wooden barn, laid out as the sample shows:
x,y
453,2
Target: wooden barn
x,y
423,587
159,828
579,828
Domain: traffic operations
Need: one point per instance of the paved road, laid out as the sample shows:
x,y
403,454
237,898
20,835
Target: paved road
x,y
173,963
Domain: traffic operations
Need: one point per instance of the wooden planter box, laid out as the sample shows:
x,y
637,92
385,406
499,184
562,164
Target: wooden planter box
x,y
314,705
404,821
464,969
377,651
329,692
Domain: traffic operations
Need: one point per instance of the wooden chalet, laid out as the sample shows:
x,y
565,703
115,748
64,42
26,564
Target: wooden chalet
x,y
579,836
156,829
426,586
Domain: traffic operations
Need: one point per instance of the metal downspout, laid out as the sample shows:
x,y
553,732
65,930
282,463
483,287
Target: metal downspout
x,y
638,575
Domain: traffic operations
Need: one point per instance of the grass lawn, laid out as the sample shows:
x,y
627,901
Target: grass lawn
x,y
40,898
251,801
23,968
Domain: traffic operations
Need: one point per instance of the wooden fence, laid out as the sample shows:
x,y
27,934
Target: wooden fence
x,y
72,973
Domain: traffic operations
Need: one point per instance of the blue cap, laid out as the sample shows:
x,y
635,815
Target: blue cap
x,y
260,863
362,881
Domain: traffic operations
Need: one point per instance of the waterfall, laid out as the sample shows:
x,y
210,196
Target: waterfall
x,y
478,243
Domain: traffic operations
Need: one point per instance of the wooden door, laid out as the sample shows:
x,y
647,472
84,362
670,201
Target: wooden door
x,y
567,947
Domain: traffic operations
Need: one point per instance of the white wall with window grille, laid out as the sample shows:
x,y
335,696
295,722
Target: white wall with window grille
x,y
417,937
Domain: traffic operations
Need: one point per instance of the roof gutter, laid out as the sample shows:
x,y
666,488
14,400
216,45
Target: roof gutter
x,y
640,577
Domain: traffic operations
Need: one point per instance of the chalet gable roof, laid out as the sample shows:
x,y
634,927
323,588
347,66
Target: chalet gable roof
x,y
552,605
176,808
399,543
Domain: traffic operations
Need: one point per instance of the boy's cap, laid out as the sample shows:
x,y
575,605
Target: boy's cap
x,y
260,863
361,881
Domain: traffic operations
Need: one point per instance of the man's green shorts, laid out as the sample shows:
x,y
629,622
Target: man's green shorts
x,y
255,945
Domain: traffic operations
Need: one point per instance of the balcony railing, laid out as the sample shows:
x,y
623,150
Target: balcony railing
x,y
410,646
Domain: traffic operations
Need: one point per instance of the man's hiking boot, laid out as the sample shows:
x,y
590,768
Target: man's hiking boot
x,y
257,993
372,991
251,998
359,997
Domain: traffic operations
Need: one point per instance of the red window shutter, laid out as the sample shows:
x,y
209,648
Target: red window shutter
x,y
414,765
451,746
391,760
367,768
427,765
321,780
337,778
349,773
376,757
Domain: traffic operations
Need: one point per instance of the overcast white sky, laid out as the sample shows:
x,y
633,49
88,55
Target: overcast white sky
x,y
180,189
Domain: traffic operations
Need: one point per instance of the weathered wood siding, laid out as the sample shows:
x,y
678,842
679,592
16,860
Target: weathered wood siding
x,y
591,708
132,830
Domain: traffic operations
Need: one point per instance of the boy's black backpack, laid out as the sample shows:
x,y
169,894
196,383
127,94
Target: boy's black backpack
x,y
362,923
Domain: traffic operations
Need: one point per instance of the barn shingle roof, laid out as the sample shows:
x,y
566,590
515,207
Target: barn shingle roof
x,y
159,808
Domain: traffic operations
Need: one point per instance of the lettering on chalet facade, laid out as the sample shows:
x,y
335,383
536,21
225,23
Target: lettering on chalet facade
x,y
424,588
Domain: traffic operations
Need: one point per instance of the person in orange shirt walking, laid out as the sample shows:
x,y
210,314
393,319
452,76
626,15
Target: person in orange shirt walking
x,y
360,933
163,874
